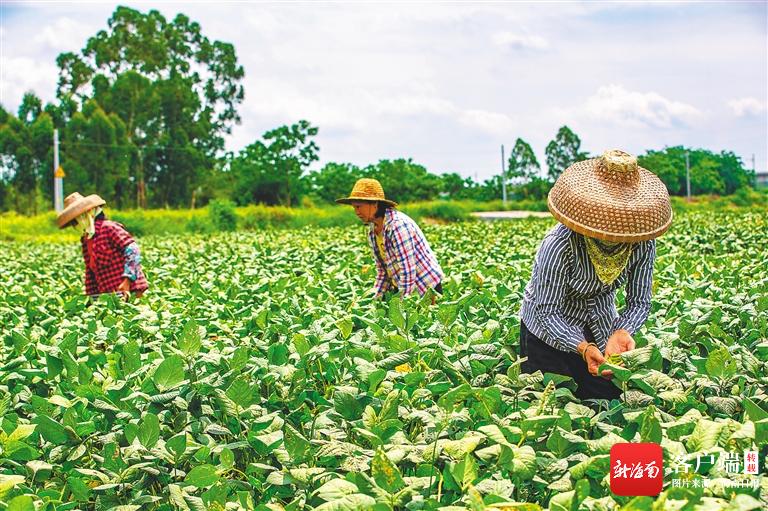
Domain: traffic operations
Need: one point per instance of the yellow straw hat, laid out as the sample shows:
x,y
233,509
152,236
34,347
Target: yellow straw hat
x,y
75,205
368,190
611,198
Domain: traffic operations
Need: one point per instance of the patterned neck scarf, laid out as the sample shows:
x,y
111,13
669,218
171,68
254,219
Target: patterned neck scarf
x,y
609,259
85,221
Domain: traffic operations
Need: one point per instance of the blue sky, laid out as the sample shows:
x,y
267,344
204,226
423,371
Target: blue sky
x,y
447,83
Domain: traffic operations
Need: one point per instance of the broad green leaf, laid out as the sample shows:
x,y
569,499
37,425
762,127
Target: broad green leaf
x,y
721,364
454,396
704,436
149,430
754,411
563,443
190,340
21,503
241,392
202,476
523,462
353,502
650,428
39,470
396,313
296,445
458,449
347,404
646,357
177,444
336,489
345,327
51,430
21,432
464,472
169,373
8,482
385,473
620,373
595,467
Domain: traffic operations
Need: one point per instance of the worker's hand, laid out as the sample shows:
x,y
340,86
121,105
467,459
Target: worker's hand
x,y
125,288
619,342
593,358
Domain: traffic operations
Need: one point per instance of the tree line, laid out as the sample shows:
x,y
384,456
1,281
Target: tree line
x,y
143,109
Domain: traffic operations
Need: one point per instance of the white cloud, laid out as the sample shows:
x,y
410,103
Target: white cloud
x,y
485,121
447,84
520,42
368,109
747,107
64,34
23,74
615,104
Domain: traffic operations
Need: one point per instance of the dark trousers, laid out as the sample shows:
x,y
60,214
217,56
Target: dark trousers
x,y
543,357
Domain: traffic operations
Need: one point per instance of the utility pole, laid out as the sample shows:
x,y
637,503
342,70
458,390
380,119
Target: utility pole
x,y
754,175
58,176
688,176
503,178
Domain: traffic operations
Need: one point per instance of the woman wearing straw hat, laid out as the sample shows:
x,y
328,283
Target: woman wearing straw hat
x,y
404,261
112,258
610,212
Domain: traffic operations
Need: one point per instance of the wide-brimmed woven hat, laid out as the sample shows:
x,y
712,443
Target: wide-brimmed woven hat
x,y
611,198
368,190
75,205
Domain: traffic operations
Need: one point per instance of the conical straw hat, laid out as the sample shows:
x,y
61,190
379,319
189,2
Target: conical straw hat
x,y
75,205
368,190
611,198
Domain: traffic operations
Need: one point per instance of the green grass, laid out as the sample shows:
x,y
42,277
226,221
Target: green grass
x,y
42,228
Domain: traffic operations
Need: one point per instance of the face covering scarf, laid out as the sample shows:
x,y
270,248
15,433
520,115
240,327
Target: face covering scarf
x,y
85,221
608,259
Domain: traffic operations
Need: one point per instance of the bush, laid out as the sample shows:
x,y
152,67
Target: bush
x,y
439,210
222,215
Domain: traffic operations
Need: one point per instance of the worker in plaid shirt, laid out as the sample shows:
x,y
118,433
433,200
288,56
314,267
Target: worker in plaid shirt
x,y
112,258
404,261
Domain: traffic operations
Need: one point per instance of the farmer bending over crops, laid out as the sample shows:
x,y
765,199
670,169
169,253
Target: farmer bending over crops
x,y
112,258
404,261
610,211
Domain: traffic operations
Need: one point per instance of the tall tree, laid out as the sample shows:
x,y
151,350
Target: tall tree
x,y
271,171
26,146
334,180
176,92
710,172
563,151
291,151
522,161
404,180
96,155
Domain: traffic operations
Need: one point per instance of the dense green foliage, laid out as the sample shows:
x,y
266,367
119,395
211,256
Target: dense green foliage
x,y
142,121
257,370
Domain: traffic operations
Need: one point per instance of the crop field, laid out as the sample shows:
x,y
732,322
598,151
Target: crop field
x,y
258,373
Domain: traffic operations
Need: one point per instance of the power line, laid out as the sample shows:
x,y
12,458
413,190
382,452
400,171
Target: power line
x,y
124,147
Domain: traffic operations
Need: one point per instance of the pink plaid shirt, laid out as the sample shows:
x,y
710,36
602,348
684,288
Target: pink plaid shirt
x,y
407,259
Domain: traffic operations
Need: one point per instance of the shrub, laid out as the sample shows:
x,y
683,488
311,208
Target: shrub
x,y
222,215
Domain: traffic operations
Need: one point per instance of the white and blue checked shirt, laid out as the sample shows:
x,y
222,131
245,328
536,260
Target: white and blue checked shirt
x,y
564,295
409,260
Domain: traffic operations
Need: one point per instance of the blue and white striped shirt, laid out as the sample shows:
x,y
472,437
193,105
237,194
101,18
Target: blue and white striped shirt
x,y
564,294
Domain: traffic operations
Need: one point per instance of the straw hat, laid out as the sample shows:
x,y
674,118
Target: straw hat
x,y
75,205
368,190
611,198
